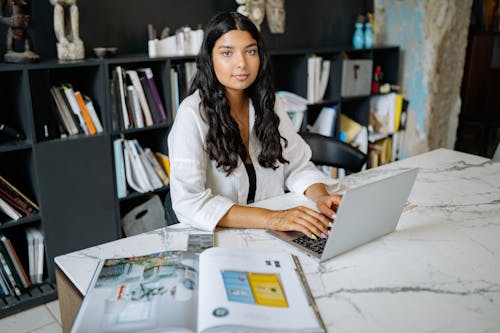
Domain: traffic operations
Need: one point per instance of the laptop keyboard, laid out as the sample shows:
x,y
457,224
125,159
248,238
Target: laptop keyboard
x,y
316,245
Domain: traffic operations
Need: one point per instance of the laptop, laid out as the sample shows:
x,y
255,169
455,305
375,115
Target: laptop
x,y
365,213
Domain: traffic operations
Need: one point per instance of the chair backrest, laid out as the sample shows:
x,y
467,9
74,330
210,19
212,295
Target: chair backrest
x,y
170,216
330,151
496,154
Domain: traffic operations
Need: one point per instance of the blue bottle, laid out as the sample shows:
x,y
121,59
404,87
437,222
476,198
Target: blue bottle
x,y
358,37
368,35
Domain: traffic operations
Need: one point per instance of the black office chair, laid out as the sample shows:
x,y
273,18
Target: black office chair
x,y
170,216
330,151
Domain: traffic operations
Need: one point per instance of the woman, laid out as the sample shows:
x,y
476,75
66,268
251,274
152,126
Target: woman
x,y
228,147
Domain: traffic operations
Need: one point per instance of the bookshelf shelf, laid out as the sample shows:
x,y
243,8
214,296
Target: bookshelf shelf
x,y
39,294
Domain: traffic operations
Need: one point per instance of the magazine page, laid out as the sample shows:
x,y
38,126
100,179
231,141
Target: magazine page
x,y
241,289
151,293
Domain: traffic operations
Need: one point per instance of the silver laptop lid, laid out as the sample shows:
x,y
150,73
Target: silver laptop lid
x,y
368,212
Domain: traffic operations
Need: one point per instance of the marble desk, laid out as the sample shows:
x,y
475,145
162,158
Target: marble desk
x,y
439,272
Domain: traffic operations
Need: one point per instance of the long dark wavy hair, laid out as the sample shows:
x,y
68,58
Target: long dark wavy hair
x,y
223,141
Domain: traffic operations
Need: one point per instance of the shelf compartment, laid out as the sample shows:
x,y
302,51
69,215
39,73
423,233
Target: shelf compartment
x,y
38,294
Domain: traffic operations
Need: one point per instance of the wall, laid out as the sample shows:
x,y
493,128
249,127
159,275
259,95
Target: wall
x,y
433,40
123,23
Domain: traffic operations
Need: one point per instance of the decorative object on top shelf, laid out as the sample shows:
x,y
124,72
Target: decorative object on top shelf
x,y
368,35
105,52
358,36
377,79
275,11
18,22
255,10
69,46
186,41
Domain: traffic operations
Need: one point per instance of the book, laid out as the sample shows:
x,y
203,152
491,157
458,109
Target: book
x,y
65,114
155,115
156,166
135,172
8,275
85,112
4,288
36,251
19,199
133,101
9,210
69,93
121,182
146,112
164,162
93,114
219,290
294,105
121,95
153,177
326,121
174,91
8,248
147,73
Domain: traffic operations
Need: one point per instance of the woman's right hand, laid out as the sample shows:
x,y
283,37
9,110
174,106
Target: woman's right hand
x,y
303,219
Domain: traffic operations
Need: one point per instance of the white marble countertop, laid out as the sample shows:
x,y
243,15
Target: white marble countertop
x,y
440,270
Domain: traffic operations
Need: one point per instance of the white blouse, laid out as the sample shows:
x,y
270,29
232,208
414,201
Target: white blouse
x,y
202,194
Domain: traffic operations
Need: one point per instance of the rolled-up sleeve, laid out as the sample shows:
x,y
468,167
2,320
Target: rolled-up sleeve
x,y
192,201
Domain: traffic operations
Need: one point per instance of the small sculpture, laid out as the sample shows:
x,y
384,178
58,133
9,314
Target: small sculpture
x,y
275,12
66,28
18,22
256,11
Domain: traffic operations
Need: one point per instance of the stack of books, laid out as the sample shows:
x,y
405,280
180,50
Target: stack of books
x,y
140,168
136,101
13,203
75,112
14,278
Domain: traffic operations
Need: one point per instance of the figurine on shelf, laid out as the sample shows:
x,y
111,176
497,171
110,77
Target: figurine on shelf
x,y
66,28
15,14
275,12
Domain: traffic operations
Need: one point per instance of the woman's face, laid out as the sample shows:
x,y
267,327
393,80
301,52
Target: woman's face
x,y
236,60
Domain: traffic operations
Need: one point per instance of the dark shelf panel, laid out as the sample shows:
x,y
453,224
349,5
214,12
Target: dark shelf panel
x,y
21,222
135,195
14,145
34,296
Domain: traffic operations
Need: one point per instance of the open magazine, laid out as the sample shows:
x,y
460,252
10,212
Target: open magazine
x,y
220,290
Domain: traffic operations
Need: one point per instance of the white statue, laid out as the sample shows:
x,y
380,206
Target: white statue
x,y
275,12
66,28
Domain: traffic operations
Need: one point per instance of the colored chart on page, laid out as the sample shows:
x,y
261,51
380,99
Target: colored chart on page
x,y
254,288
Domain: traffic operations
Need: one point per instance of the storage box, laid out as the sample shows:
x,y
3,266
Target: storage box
x,y
356,77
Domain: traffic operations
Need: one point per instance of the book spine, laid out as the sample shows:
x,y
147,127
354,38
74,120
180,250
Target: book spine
x,y
9,210
155,94
15,261
12,189
8,273
67,118
156,166
151,103
85,112
93,114
153,178
121,186
15,200
74,108
146,112
121,96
